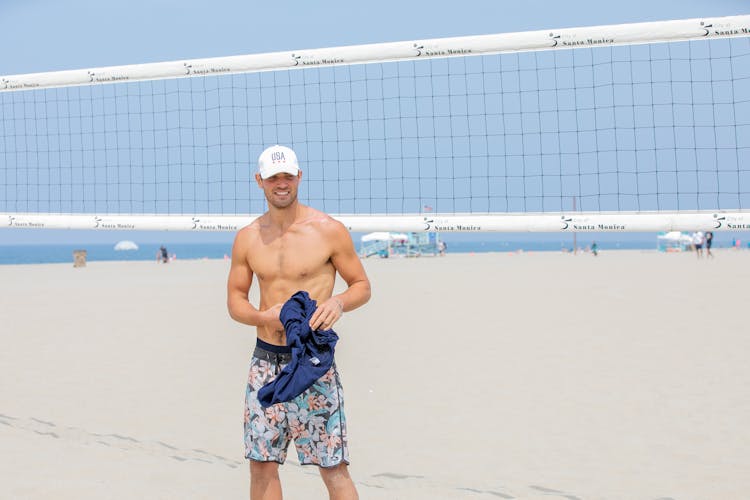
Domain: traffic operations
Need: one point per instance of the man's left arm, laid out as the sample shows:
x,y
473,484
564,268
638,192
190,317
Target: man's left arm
x,y
349,266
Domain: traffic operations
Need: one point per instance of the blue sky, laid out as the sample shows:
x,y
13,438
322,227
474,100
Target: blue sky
x,y
45,35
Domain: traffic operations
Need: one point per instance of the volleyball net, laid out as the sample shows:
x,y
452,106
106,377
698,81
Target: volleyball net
x,y
639,127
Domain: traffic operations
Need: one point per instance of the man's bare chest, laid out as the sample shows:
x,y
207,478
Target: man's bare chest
x,y
290,257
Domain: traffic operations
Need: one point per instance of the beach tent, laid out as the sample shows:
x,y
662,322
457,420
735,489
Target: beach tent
x,y
673,240
387,244
379,243
383,236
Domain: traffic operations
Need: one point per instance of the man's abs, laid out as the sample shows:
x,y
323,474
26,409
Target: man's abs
x,y
319,288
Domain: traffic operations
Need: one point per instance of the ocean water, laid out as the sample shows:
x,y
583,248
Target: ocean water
x,y
49,254
56,253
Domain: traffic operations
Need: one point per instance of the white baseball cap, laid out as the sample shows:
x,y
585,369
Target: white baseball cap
x,y
277,159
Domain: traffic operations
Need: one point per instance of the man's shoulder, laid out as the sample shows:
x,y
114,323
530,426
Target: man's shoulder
x,y
323,222
253,227
250,231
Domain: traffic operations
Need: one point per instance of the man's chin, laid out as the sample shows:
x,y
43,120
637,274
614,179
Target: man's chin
x,y
280,203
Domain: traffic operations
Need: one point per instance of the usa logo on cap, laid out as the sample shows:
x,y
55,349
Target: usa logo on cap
x,y
277,160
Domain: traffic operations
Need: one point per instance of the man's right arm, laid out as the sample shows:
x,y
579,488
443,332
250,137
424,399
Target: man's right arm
x,y
238,285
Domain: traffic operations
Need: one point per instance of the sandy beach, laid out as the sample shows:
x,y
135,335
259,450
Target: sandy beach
x,y
512,376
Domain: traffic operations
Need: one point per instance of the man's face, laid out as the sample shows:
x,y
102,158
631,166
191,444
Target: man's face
x,y
280,189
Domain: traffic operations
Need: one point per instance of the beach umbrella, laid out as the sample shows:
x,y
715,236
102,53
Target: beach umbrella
x,y
126,245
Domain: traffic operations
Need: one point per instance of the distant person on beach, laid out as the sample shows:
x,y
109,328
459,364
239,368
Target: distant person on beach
x,y
290,248
709,242
594,249
698,239
162,255
442,247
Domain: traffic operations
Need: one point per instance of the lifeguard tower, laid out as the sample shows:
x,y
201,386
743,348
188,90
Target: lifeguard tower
x,y
384,244
673,241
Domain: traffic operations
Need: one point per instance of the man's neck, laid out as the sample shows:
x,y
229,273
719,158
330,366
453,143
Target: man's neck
x,y
283,218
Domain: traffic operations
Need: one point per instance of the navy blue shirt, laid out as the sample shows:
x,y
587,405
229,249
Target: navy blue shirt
x,y
312,352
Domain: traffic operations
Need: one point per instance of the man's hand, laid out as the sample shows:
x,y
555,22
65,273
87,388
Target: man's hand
x,y
327,313
271,318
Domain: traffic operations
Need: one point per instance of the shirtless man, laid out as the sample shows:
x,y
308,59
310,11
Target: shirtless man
x,y
293,247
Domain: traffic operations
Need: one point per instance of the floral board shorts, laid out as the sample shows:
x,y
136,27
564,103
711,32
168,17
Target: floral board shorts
x,y
315,419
